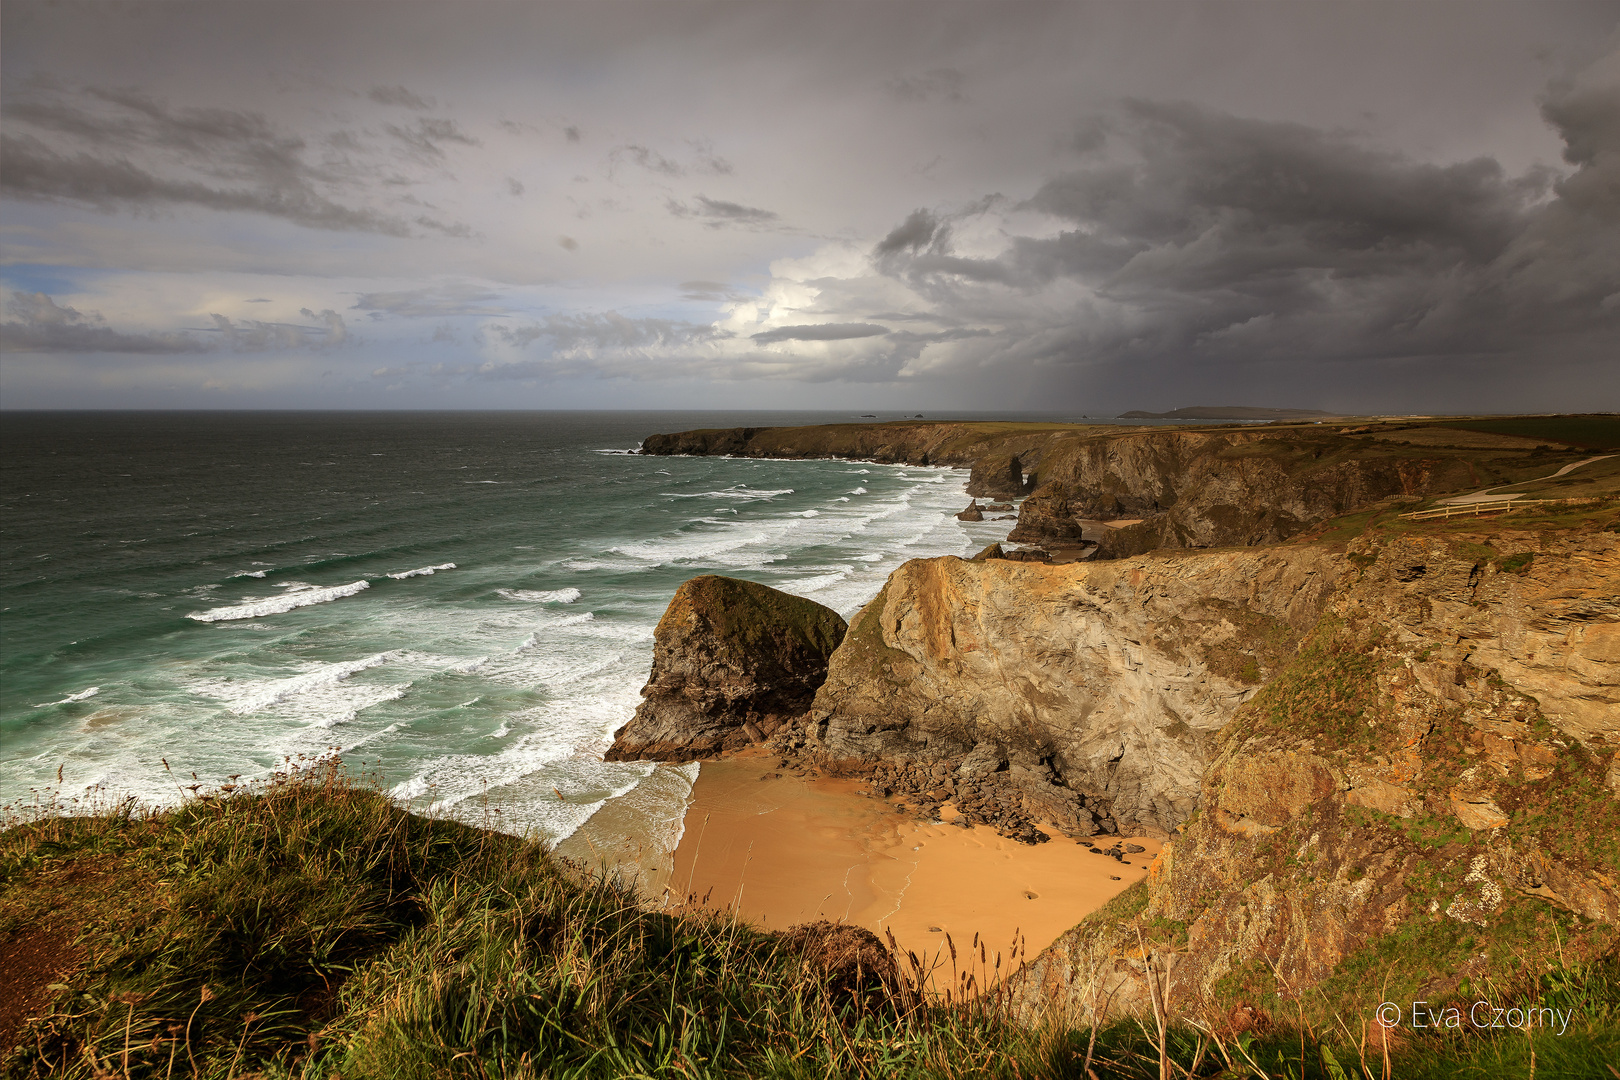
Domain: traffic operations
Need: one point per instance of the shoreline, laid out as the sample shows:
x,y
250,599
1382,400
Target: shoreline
x,y
779,849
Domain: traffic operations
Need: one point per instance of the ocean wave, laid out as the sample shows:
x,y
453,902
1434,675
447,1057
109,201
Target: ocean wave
x,y
736,491
264,695
857,491
801,586
275,605
540,596
80,696
806,513
250,573
421,572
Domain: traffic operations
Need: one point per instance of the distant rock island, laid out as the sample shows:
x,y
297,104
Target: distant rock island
x,y
1224,412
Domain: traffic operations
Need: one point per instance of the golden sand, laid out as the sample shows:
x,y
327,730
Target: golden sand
x,y
781,849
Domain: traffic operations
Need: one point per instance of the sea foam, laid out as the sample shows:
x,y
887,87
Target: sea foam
x,y
540,596
275,605
424,571
80,696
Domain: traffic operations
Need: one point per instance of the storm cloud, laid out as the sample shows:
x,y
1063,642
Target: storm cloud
x,y
1089,207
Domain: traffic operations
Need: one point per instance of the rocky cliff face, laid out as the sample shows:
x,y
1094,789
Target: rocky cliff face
x,y
732,660
1218,488
1213,487
1436,767
1094,691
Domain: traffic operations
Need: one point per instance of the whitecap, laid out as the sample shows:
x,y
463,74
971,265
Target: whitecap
x,y
806,513
257,697
275,605
80,696
858,491
420,572
250,573
540,596
501,732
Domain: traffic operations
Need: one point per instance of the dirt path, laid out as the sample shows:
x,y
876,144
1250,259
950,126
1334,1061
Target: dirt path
x,y
1484,494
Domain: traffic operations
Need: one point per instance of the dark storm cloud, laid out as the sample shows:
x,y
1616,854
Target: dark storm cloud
x,y
718,213
822,332
1206,238
39,325
123,149
398,95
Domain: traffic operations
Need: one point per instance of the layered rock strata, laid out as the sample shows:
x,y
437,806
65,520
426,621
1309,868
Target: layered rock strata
x,y
732,661
1086,695
1439,761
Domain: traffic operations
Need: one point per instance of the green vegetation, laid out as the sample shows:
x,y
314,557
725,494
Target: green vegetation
x,y
1587,432
306,927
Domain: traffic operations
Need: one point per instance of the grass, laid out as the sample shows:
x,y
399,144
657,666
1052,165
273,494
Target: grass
x,y
1587,432
307,927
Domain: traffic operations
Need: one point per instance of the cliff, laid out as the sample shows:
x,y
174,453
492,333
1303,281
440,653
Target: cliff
x,y
1425,796
1191,487
732,660
1092,693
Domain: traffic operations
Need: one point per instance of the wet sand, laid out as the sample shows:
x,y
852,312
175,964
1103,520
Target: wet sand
x,y
781,850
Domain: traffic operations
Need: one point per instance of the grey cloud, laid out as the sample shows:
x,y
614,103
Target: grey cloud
x,y
709,291
571,133
943,84
432,302
915,233
601,331
718,213
647,158
426,139
115,149
398,95
39,325
820,332
514,185
1218,243
250,335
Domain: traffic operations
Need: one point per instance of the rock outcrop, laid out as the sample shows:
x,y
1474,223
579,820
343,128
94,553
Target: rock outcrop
x,y
732,660
1218,488
973,512
1094,692
997,476
1434,763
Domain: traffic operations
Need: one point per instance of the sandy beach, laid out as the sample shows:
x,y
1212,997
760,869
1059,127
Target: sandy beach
x,y
781,849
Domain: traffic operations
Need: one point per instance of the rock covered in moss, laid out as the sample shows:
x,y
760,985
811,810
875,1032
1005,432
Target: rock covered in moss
x,y
732,661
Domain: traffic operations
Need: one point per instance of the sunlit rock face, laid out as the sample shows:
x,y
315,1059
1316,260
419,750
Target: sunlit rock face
x,y
1442,750
1101,685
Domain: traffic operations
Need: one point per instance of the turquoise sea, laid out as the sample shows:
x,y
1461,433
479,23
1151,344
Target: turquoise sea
x,y
461,605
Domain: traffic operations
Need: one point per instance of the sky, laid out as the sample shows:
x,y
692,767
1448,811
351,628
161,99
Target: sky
x,y
1077,207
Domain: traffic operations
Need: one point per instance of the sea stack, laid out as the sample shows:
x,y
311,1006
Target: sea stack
x,y
732,661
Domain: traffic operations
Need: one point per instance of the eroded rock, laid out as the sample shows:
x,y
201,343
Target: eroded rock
x,y
732,661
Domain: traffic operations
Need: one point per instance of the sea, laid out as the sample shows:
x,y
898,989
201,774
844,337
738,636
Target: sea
x,y
460,606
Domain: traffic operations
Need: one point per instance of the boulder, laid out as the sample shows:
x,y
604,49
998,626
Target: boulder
x,y
997,476
732,661
1047,517
972,513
